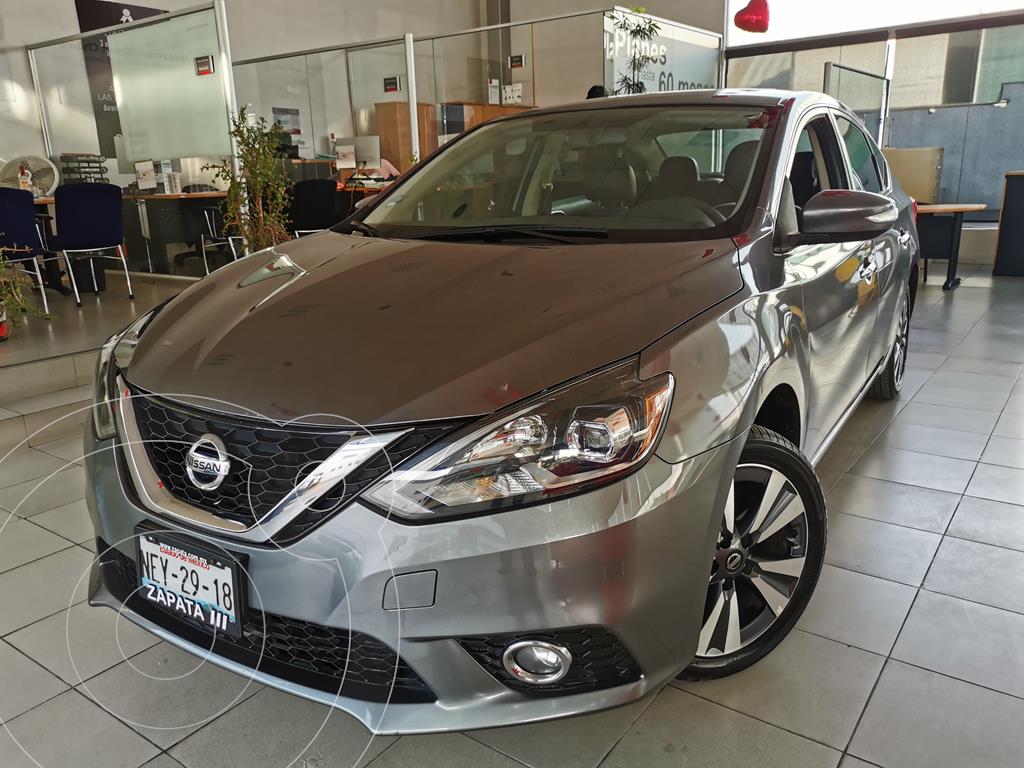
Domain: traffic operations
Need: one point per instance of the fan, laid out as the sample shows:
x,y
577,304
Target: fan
x,y
44,174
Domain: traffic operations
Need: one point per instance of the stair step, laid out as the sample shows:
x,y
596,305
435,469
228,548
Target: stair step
x,y
44,418
40,377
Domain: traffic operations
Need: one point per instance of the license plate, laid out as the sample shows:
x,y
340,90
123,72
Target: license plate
x,y
191,581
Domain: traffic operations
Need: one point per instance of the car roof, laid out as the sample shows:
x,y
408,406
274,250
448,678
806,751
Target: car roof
x,y
742,97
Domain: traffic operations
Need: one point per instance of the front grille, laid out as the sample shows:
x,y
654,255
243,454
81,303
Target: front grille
x,y
599,659
345,662
268,460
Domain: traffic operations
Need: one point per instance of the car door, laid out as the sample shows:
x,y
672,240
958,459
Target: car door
x,y
868,171
838,288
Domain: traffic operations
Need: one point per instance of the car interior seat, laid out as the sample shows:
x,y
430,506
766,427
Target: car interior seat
x,y
734,177
677,177
608,180
804,178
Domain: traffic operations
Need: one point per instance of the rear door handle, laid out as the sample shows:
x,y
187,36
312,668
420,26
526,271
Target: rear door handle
x,y
904,236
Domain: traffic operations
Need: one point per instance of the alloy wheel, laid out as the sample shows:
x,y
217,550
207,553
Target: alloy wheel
x,y
899,351
759,561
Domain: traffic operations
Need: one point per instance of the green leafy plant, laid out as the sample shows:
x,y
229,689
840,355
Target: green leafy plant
x,y
256,208
639,30
13,300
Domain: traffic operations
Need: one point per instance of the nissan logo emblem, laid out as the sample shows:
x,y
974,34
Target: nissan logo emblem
x,y
733,561
207,463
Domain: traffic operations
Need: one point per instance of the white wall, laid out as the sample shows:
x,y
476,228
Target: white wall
x,y
269,27
705,14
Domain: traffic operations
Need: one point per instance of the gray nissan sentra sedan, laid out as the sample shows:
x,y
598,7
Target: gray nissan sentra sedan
x,y
531,433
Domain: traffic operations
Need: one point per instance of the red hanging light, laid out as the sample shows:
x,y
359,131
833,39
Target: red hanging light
x,y
754,17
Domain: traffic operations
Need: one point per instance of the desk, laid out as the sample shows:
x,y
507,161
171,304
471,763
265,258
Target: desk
x,y
155,196
942,235
169,217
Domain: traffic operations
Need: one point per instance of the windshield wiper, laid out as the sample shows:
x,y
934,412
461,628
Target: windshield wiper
x,y
558,234
367,230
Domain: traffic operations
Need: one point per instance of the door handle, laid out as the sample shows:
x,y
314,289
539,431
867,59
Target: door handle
x,y
904,236
867,269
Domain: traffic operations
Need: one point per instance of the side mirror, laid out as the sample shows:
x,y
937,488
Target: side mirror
x,y
838,215
364,201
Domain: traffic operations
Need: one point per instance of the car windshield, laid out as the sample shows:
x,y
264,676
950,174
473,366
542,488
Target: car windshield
x,y
623,174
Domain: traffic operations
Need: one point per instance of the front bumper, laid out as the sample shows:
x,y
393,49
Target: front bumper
x,y
631,559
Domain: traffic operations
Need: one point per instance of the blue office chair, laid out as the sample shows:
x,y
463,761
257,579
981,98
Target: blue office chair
x,y
18,230
313,206
89,221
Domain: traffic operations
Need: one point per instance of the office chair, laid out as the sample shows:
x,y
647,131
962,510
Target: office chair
x,y
313,206
212,234
89,221
18,229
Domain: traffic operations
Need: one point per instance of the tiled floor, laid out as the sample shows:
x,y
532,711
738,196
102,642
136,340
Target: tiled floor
x,y
911,653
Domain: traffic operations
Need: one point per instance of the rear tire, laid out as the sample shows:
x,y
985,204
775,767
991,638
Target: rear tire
x,y
769,556
889,382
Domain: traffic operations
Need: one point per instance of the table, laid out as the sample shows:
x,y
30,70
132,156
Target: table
x,y
159,224
935,236
164,218
154,196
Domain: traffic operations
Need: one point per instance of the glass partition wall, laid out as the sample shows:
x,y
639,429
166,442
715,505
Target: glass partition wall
x,y
462,79
326,99
960,90
144,106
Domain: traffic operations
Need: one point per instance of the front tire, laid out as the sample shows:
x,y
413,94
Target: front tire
x,y
770,552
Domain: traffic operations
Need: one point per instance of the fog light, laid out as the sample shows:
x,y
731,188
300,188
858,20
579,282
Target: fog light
x,y
537,662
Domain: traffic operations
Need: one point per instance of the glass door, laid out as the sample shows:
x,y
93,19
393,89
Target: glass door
x,y
865,93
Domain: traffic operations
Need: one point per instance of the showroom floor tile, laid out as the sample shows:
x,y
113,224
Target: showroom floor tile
x,y
909,654
808,685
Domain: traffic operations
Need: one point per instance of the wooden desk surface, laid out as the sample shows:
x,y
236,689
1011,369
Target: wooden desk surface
x,y
940,208
176,196
362,190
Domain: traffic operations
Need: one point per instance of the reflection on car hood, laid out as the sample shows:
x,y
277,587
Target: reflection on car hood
x,y
385,331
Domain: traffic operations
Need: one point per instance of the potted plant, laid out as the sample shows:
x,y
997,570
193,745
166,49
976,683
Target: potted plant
x,y
12,295
639,29
256,208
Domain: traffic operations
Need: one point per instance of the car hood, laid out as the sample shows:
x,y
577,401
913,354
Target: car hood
x,y
386,331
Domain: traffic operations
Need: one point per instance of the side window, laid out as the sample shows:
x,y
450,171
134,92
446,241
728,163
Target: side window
x,y
816,163
863,164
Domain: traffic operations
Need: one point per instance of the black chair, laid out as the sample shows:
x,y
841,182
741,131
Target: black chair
x,y
205,227
313,206
213,235
19,230
89,221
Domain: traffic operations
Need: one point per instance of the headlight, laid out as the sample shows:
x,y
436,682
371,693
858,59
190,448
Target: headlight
x,y
116,351
586,434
